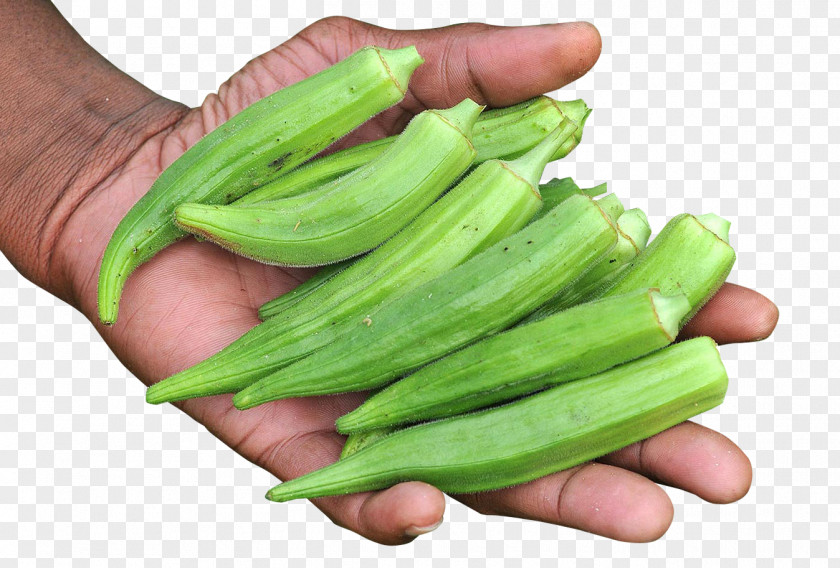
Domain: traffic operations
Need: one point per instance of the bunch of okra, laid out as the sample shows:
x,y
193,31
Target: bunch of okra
x,y
468,297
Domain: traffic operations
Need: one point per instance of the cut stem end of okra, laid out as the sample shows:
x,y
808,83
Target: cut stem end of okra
x,y
670,310
716,224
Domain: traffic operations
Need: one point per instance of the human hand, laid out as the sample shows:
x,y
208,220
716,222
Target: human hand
x,y
194,298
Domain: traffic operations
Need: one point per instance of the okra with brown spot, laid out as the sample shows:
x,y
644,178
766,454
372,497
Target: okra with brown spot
x,y
356,212
503,133
484,295
633,234
494,201
272,135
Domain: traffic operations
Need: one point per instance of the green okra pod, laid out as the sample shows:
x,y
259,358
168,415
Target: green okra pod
x,y
633,233
503,133
548,432
552,193
272,135
356,212
495,200
691,255
484,295
576,343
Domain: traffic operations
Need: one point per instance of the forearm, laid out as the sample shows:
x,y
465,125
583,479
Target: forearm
x,y
68,118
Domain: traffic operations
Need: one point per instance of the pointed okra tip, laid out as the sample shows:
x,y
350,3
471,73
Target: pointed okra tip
x,y
716,224
401,63
248,397
189,216
670,310
462,116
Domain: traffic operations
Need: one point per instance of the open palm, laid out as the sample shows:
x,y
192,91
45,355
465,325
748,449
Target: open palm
x,y
194,298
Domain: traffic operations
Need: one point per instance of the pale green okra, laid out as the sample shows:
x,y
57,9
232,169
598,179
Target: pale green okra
x,y
484,295
269,137
355,213
633,233
573,344
691,255
504,133
494,201
541,434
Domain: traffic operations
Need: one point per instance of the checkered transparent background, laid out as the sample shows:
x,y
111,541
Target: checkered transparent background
x,y
698,107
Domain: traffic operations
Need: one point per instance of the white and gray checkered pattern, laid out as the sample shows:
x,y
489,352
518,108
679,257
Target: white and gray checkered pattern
x,y
699,106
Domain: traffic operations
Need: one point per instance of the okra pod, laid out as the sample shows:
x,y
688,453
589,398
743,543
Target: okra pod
x,y
691,254
494,201
633,232
504,133
576,343
548,432
484,295
272,135
552,193
356,212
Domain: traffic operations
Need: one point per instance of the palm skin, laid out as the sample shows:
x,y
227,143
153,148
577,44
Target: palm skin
x,y
194,298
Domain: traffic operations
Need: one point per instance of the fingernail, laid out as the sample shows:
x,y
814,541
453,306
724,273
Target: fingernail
x,y
417,531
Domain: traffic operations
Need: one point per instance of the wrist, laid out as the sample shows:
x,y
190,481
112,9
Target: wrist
x,y
70,120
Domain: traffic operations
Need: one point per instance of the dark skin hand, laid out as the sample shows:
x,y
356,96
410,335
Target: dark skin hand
x,y
83,142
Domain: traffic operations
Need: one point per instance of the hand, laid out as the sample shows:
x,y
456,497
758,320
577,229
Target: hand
x,y
194,298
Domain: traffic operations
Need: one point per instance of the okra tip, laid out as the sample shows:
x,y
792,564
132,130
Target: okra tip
x,y
718,225
248,397
670,310
193,216
400,63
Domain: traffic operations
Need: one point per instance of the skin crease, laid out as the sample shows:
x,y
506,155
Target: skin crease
x,y
194,298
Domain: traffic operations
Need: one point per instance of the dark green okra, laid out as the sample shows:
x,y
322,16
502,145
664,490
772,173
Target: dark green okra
x,y
576,343
548,432
504,134
272,135
494,201
355,213
484,295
